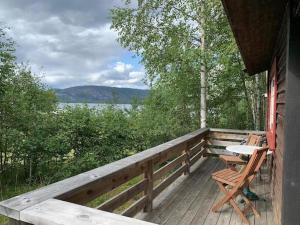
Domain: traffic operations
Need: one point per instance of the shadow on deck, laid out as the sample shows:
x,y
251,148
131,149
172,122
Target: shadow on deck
x,y
190,198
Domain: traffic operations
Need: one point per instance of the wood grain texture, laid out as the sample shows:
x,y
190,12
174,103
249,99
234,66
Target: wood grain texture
x,y
149,187
135,207
255,27
123,197
197,148
168,167
57,212
196,157
215,142
227,136
190,203
234,131
169,180
179,190
280,53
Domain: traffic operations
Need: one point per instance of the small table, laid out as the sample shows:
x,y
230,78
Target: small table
x,y
246,150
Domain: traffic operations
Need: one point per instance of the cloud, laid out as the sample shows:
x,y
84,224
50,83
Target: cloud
x,y
70,42
118,75
121,67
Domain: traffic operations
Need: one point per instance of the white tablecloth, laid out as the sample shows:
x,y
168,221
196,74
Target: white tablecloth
x,y
244,149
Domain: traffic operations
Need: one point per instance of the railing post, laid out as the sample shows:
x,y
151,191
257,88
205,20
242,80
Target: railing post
x,y
205,139
149,186
187,159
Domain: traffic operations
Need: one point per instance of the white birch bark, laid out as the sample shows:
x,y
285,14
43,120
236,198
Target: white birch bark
x,y
203,83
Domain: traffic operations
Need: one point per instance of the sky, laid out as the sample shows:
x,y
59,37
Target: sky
x,y
70,43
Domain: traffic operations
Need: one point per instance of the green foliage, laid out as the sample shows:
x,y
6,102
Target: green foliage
x,y
167,36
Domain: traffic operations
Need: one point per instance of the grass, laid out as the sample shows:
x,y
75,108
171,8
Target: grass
x,y
11,191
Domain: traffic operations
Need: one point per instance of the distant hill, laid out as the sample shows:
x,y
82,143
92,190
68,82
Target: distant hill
x,y
99,94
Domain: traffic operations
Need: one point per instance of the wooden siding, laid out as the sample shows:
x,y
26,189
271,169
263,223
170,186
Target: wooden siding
x,y
280,56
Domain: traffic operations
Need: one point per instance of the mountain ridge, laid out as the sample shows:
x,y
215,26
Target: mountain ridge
x,y
99,94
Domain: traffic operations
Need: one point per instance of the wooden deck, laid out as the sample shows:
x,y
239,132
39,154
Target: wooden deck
x,y
176,184
189,200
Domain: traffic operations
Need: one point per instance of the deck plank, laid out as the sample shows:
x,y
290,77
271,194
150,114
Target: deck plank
x,y
212,217
269,207
235,219
201,214
165,207
180,209
199,211
192,197
261,203
225,215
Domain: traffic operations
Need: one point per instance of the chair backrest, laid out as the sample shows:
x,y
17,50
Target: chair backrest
x,y
253,140
254,164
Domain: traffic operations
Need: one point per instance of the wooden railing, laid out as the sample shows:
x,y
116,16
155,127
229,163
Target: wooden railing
x,y
218,139
156,169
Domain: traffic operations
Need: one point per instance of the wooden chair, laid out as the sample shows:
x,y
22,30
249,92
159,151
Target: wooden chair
x,y
237,181
231,160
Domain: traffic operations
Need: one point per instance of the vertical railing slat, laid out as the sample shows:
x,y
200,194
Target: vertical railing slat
x,y
187,161
149,186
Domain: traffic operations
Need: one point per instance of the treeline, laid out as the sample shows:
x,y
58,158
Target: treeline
x,y
41,144
46,146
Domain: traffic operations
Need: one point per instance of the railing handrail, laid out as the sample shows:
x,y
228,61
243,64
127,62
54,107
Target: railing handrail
x,y
79,185
218,139
57,212
235,131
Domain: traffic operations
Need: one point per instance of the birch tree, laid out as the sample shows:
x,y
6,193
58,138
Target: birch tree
x,y
188,50
169,38
203,82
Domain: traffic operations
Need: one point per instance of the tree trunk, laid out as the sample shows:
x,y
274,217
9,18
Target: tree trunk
x,y
1,157
247,99
30,170
257,113
203,80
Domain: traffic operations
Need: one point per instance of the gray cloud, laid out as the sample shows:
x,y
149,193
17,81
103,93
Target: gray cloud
x,y
70,42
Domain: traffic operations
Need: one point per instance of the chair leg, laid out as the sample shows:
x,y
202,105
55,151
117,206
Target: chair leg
x,y
239,212
224,200
231,201
260,175
248,202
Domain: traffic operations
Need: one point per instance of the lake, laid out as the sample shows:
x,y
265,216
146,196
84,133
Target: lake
x,y
62,105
